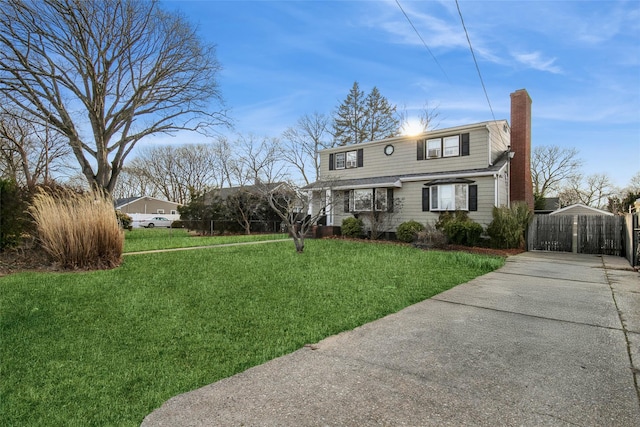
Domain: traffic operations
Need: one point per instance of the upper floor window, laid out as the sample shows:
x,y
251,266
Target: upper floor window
x,y
346,159
434,148
448,146
451,146
352,159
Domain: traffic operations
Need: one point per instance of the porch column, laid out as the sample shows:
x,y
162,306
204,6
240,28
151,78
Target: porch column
x,y
329,209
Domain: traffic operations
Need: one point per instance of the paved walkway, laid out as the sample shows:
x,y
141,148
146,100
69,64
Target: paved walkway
x,y
190,248
549,339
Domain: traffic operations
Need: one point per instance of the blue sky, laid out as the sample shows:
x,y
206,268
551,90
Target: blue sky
x,y
579,61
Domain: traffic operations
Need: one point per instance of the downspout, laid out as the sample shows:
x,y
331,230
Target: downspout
x,y
496,189
489,145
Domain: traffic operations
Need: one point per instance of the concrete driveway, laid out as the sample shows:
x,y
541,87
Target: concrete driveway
x,y
550,339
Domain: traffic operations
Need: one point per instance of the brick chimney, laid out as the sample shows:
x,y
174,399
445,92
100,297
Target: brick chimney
x,y
521,186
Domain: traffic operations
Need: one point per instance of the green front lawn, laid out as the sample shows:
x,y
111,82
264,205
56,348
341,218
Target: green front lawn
x,y
147,239
108,347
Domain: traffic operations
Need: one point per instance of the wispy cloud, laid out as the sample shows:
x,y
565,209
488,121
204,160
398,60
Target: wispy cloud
x,y
536,61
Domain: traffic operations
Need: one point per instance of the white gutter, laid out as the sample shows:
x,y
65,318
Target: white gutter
x,y
449,176
396,184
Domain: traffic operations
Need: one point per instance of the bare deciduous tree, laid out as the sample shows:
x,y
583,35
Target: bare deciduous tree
x,y
303,143
296,209
134,183
125,67
176,171
429,119
30,153
257,160
593,190
634,183
551,168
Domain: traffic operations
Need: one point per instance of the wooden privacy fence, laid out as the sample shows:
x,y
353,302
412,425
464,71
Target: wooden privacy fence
x,y
585,234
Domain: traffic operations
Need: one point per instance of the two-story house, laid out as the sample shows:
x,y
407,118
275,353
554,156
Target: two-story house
x,y
470,168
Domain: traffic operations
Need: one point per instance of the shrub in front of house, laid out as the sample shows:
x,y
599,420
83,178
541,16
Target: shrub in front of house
x,y
509,225
352,227
78,230
407,231
430,238
459,228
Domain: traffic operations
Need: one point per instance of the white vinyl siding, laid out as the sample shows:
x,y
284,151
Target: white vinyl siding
x,y
403,160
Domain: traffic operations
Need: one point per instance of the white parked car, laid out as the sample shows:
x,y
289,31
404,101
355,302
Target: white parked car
x,y
156,221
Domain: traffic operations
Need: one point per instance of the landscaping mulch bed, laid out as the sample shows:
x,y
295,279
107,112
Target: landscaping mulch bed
x,y
25,259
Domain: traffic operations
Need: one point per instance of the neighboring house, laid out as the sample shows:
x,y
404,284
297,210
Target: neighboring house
x,y
144,207
470,168
258,189
580,209
549,204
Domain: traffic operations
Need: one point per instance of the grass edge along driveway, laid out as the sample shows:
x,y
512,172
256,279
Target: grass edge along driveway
x,y
108,347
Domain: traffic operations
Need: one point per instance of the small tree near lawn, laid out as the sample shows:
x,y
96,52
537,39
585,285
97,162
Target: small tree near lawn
x,y
293,205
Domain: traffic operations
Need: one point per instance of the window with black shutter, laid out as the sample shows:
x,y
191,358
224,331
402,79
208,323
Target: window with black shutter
x,y
473,198
464,144
425,199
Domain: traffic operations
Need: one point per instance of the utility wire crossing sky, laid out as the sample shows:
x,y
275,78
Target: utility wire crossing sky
x,y
579,61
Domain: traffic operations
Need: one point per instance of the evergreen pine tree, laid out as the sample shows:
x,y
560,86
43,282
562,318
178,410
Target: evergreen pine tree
x,y
349,119
381,121
359,118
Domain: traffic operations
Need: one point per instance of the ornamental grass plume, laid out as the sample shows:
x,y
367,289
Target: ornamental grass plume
x,y
78,231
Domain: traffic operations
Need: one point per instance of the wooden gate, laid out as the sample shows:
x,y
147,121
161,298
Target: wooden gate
x,y
550,233
585,234
600,235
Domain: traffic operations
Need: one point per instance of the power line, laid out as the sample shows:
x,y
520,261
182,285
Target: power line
x,y
475,61
422,40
